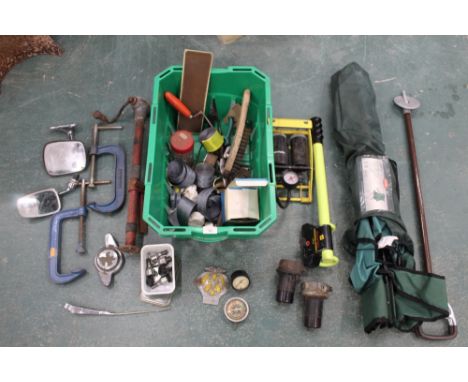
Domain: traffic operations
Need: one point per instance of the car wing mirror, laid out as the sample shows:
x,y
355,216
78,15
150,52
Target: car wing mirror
x,y
38,204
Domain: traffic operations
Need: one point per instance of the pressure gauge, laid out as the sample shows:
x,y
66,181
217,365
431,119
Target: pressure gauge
x,y
240,280
236,309
290,179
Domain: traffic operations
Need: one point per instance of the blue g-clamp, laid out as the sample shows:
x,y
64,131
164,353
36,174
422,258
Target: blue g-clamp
x,y
119,179
54,246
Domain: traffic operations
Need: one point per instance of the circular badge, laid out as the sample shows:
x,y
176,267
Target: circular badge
x,y
236,309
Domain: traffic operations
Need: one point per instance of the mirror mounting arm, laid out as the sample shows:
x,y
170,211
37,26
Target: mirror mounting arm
x,y
67,129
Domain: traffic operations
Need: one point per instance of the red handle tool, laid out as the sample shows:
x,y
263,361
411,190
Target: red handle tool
x,y
178,105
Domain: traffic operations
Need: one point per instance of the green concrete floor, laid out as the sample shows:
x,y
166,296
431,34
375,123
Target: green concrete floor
x,y
100,72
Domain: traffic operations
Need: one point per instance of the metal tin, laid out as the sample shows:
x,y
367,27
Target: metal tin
x,y
236,309
182,144
211,139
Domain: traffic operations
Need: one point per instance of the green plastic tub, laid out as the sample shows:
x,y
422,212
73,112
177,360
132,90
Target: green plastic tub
x,y
226,85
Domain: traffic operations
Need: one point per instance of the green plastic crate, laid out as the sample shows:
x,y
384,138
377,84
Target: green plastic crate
x,y
226,85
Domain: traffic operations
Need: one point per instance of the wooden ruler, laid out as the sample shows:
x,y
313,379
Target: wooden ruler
x,y
194,87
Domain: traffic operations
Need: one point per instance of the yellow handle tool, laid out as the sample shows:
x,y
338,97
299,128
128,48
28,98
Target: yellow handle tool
x,y
318,241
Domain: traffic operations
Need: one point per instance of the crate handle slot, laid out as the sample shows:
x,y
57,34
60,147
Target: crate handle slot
x,y
154,111
165,73
270,172
175,229
261,75
244,229
242,69
149,173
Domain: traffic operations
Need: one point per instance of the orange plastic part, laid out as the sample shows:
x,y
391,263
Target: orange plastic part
x,y
177,104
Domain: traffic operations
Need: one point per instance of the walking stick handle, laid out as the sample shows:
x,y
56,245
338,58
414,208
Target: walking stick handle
x,y
452,329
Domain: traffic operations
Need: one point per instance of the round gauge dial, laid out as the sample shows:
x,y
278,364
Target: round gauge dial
x,y
236,309
290,179
240,280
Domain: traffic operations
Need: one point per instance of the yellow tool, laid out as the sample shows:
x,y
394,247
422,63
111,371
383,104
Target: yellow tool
x,y
317,241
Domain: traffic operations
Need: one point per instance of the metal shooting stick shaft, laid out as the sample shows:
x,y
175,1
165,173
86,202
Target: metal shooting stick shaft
x,y
452,329
419,196
408,104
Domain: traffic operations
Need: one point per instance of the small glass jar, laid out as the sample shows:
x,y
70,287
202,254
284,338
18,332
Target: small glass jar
x,y
182,143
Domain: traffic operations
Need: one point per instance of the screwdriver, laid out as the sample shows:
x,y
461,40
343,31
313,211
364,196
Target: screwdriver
x,y
178,105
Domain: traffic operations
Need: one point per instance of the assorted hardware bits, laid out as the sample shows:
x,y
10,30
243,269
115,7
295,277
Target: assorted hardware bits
x,y
196,185
158,269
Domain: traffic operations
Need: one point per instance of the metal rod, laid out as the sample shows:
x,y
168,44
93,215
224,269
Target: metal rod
x,y
204,117
93,156
81,246
419,196
83,311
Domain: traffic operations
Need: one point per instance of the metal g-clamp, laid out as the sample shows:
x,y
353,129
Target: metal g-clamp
x,y
119,179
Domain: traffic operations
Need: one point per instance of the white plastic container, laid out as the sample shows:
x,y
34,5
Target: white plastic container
x,y
164,289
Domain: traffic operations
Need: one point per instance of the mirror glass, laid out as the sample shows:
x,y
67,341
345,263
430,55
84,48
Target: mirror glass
x,y
64,157
38,204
